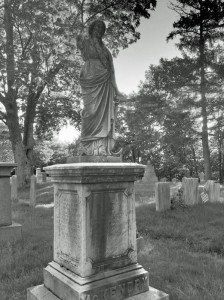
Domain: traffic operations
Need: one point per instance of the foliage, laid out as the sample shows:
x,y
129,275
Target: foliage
x,y
39,63
200,28
50,152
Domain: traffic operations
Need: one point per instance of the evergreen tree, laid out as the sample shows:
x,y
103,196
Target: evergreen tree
x,y
199,27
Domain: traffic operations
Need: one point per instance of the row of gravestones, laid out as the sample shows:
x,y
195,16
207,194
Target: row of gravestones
x,y
191,193
40,177
10,230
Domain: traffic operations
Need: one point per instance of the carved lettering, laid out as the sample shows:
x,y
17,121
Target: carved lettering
x,y
113,293
130,287
121,288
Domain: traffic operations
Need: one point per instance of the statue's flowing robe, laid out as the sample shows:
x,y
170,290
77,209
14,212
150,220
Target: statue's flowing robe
x,y
98,94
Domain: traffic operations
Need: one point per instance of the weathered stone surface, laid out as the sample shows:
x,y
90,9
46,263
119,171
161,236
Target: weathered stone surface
x,y
95,173
5,201
91,158
38,175
11,232
202,177
95,255
213,189
5,193
190,190
42,293
162,196
119,284
93,218
146,186
33,182
44,177
150,175
14,188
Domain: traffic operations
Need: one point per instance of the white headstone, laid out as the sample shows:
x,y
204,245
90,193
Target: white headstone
x,y
162,196
190,190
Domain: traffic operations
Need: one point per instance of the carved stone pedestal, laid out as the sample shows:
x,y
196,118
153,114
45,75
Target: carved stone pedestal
x,y
9,231
95,255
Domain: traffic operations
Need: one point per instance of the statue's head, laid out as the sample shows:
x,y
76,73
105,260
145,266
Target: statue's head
x,y
97,29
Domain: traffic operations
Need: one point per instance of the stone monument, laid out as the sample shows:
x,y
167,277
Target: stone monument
x,y
9,230
162,195
202,178
95,255
146,186
38,175
190,190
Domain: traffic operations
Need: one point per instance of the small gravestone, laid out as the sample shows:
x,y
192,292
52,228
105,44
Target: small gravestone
x,y
33,181
150,175
44,177
190,190
162,196
164,179
174,180
213,190
202,177
14,188
9,230
145,188
38,175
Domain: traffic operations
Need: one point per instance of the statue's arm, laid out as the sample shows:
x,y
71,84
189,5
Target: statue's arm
x,y
113,78
119,97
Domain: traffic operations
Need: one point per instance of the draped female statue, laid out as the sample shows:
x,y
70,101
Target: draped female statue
x,y
99,92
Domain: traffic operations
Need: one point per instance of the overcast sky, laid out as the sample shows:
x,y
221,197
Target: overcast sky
x,y
131,63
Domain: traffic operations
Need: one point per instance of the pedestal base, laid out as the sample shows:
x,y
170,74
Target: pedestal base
x,y
11,232
127,283
42,293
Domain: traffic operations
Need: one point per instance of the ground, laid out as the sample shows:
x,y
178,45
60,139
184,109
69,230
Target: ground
x,y
184,248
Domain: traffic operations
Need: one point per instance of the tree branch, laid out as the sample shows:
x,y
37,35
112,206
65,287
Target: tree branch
x,y
103,9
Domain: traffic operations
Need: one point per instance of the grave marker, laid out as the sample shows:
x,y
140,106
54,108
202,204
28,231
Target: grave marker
x,y
213,189
95,254
14,188
163,201
8,230
190,190
33,182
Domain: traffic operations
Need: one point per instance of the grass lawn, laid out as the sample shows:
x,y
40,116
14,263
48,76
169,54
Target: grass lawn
x,y
184,249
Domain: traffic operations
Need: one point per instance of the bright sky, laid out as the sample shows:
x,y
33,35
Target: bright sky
x,y
131,63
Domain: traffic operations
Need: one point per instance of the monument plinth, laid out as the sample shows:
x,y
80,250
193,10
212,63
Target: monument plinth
x,y
95,255
8,230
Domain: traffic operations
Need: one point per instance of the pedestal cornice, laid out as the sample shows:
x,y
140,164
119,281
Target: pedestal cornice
x,y
95,172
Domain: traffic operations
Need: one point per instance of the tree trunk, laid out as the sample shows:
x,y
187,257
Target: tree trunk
x,y
205,143
17,144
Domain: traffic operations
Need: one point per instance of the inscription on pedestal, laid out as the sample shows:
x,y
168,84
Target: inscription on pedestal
x,y
109,243
119,291
67,228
